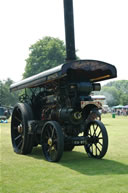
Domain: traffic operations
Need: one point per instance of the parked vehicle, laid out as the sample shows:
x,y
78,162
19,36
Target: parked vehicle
x,y
4,113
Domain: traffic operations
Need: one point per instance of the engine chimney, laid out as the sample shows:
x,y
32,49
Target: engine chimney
x,y
69,30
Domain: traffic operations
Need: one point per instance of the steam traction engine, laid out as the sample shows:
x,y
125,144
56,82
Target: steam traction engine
x,y
56,113
57,110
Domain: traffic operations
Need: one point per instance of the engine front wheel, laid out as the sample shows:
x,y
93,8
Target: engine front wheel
x,y
52,141
97,139
94,115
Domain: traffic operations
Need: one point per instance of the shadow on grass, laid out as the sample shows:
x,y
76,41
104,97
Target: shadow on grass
x,y
80,162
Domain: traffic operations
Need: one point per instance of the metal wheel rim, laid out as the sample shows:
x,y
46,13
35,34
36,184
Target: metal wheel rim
x,y
50,149
17,130
97,146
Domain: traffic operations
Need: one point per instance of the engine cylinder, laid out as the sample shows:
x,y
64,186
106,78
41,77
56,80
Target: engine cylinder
x,y
67,115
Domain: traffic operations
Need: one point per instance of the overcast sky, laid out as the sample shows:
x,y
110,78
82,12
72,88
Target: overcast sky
x,y
101,31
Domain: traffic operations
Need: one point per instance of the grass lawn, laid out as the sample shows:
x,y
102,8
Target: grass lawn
x,y
75,173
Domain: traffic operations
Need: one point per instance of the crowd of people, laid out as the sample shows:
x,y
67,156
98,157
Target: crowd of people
x,y
122,112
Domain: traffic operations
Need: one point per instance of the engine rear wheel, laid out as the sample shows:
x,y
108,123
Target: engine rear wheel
x,y
97,139
52,141
21,140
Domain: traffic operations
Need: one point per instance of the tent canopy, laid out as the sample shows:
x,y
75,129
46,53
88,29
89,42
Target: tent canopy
x,y
126,107
118,107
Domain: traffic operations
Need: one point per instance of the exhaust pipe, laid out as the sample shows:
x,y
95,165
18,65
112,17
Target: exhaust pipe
x,y
69,30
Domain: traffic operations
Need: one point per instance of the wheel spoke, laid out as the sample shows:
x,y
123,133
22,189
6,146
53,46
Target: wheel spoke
x,y
97,147
46,147
100,138
89,146
18,119
53,154
90,133
18,137
54,142
92,148
95,129
50,129
100,143
18,110
53,131
48,133
99,133
20,143
46,136
96,151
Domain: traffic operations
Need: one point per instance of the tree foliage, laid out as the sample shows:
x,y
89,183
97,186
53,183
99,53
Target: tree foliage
x,y
116,92
44,54
7,98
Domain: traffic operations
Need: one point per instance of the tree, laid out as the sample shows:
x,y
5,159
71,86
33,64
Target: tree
x,y
44,54
124,99
120,85
116,92
111,94
7,98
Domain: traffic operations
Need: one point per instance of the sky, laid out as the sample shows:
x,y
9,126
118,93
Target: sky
x,y
101,31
